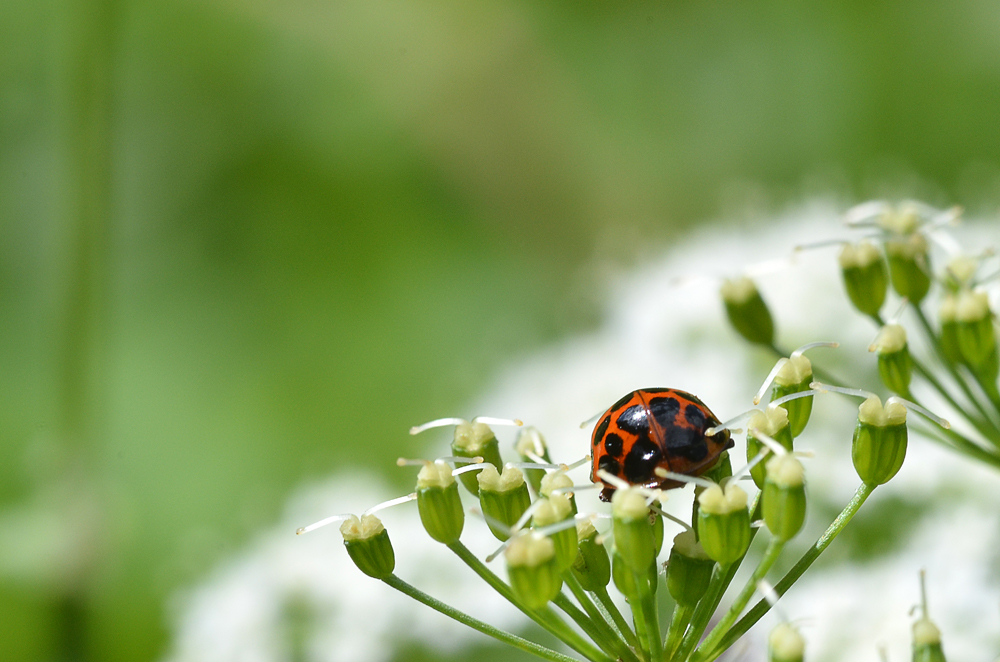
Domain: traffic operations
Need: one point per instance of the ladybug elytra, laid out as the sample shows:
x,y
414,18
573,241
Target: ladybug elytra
x,y
651,428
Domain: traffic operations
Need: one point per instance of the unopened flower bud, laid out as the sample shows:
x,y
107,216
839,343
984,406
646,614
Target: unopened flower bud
x,y
774,423
785,644
475,440
960,272
908,266
976,337
503,497
689,569
531,442
865,277
634,535
902,220
747,311
794,376
368,545
879,440
532,569
592,567
625,578
553,510
784,499
894,363
439,504
724,523
927,642
557,480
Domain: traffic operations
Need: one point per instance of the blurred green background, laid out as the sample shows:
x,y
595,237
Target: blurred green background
x,y
243,240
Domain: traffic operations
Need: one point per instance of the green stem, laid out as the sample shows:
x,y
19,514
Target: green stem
x,y
678,624
984,424
708,649
544,616
959,444
606,629
475,624
952,369
641,633
647,613
611,608
721,579
586,624
762,607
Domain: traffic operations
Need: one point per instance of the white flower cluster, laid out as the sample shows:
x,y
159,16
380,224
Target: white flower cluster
x,y
659,332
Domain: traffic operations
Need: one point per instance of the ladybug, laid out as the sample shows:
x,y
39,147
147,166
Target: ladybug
x,y
655,427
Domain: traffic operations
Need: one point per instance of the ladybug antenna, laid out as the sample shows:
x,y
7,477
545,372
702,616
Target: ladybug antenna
x,y
439,423
489,420
683,478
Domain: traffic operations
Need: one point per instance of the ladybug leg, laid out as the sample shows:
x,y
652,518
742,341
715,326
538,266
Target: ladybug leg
x,y
606,494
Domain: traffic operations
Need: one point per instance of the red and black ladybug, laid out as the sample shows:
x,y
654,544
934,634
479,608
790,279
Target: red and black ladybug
x,y
655,427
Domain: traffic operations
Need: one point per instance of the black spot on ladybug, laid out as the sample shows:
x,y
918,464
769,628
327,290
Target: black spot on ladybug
x,y
609,464
641,460
695,417
601,429
686,443
664,410
614,445
634,420
621,401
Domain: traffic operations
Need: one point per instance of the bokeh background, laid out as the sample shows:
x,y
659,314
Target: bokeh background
x,y
245,243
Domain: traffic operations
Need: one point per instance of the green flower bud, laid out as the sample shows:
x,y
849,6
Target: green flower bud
x,y
908,266
634,536
657,523
773,422
959,273
879,440
794,376
784,499
532,569
553,510
689,569
949,329
927,642
894,363
592,567
976,338
530,440
439,504
476,440
785,644
368,545
624,577
901,220
865,276
724,523
747,311
557,480
503,498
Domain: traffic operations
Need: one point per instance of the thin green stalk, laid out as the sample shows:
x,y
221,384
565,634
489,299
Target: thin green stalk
x,y
648,614
678,624
709,649
641,632
586,624
605,601
475,624
721,579
544,617
762,607
604,626
984,424
935,341
721,576
959,444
